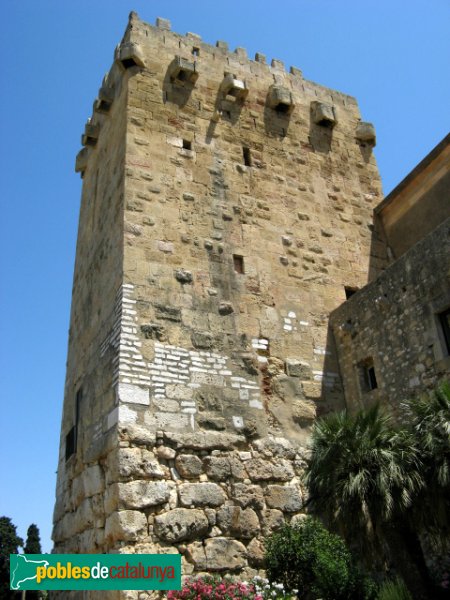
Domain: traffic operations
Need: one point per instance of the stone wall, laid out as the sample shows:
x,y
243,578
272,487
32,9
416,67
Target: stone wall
x,y
393,325
234,204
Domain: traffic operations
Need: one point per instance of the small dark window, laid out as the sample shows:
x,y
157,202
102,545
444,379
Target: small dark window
x,y
238,262
371,378
368,377
187,145
71,437
349,291
247,156
71,442
195,51
444,319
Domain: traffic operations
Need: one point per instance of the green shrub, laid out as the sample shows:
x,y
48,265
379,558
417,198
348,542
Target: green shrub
x,y
314,561
394,590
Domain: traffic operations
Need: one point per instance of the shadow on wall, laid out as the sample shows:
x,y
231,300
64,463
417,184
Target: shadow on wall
x,y
332,391
379,258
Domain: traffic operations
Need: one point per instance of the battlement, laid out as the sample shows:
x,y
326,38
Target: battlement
x,y
238,80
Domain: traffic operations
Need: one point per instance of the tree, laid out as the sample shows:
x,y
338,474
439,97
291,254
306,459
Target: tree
x,y
9,543
33,543
363,475
316,563
430,425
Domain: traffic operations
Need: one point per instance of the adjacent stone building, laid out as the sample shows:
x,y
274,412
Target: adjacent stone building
x,y
393,336
227,210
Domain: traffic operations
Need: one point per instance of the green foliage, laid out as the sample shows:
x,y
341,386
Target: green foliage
x,y
33,543
362,468
430,424
394,590
312,560
9,543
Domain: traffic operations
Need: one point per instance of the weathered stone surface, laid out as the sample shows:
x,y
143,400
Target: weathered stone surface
x,y
205,440
223,554
238,522
201,494
323,114
136,462
248,495
256,553
137,434
202,339
219,468
259,469
140,494
298,368
125,525
365,132
183,276
225,308
93,481
285,498
303,411
166,453
153,331
188,466
168,313
276,446
272,519
181,524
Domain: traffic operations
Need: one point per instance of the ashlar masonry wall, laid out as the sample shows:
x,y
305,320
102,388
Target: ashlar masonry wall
x,y
244,210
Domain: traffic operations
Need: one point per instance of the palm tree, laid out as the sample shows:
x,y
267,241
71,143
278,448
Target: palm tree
x,y
430,425
362,476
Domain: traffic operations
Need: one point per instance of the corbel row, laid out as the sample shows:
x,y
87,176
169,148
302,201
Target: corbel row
x,y
185,73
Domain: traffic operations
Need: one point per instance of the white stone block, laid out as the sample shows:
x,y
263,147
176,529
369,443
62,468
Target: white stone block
x,y
132,394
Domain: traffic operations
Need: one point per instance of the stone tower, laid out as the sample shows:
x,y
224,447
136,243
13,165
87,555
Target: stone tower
x,y
226,211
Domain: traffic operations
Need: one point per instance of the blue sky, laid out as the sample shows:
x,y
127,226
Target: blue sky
x,y
392,55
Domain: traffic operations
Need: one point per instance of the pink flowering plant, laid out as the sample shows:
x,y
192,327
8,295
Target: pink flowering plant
x,y
213,587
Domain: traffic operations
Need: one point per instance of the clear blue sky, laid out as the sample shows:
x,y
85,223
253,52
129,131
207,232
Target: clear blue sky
x,y
392,55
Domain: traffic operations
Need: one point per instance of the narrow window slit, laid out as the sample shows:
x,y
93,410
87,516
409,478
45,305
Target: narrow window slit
x,y
247,156
238,263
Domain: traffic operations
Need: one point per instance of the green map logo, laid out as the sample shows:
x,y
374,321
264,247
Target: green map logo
x,y
95,571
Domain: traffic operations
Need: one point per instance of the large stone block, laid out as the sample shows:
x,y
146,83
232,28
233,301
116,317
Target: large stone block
x,y
181,524
125,525
248,495
271,520
238,522
298,368
259,469
220,468
201,494
223,554
217,554
205,440
285,498
188,466
140,494
134,462
93,481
